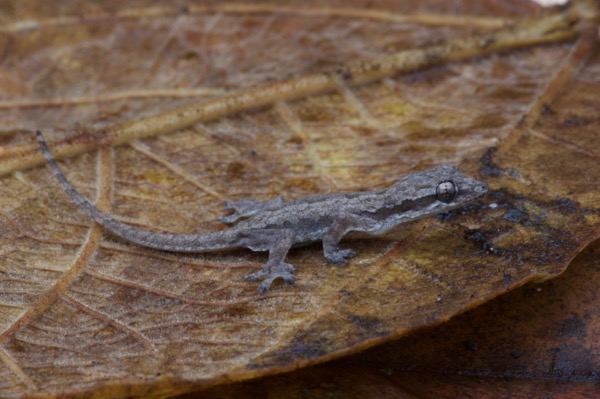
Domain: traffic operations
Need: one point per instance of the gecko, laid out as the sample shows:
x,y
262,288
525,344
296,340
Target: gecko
x,y
277,225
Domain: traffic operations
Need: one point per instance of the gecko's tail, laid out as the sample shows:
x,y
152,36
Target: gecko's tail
x,y
79,199
168,242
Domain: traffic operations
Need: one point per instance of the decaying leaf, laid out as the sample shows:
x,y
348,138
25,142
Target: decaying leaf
x,y
538,341
160,92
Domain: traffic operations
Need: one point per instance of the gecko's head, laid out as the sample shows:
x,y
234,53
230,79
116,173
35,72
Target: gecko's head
x,y
453,186
438,189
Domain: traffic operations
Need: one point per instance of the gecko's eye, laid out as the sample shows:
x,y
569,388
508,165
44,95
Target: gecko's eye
x,y
446,191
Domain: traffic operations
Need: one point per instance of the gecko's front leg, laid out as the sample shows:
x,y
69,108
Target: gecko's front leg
x,y
278,242
342,225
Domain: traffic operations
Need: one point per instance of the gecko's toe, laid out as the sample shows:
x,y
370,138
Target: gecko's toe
x,y
289,278
263,288
340,256
256,275
282,270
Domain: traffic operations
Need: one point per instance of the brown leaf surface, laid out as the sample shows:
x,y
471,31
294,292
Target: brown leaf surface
x,y
539,341
83,312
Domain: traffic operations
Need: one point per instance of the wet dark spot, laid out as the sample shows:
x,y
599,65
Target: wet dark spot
x,y
6,137
445,216
471,346
576,121
566,205
235,168
237,311
488,41
517,216
365,131
553,351
309,351
573,327
18,347
344,73
488,166
296,141
499,196
547,110
370,323
252,153
429,77
375,67
432,57
481,238
132,296
7,49
187,56
515,355
553,243
290,354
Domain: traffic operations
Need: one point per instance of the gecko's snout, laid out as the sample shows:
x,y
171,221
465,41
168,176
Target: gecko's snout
x,y
481,188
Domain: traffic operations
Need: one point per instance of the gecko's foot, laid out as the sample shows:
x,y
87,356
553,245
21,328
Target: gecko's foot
x,y
340,256
282,270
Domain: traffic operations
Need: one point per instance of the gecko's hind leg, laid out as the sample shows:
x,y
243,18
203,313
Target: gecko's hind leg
x,y
245,208
278,242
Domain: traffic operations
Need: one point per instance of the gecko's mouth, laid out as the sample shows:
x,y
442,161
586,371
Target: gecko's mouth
x,y
477,190
481,189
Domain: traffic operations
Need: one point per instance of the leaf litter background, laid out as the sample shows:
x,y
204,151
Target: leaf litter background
x,y
85,312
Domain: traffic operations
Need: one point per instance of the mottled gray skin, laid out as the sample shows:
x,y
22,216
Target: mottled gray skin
x,y
277,225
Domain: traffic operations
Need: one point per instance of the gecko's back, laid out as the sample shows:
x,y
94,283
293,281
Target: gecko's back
x,y
311,217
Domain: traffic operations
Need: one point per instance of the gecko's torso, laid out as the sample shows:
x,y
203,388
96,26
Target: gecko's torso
x,y
311,217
